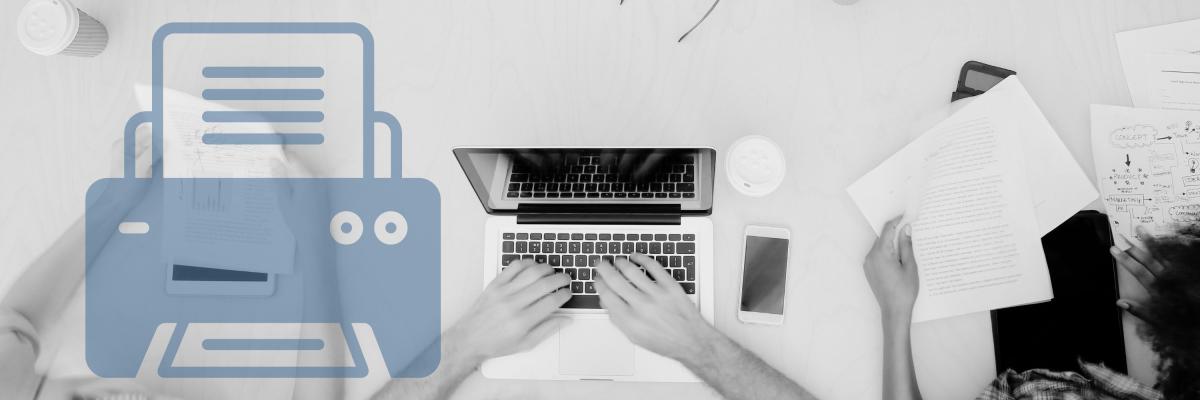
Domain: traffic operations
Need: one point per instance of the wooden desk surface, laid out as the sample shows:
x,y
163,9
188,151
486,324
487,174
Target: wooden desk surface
x,y
840,88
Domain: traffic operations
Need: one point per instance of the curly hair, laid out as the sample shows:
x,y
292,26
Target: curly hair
x,y
1174,309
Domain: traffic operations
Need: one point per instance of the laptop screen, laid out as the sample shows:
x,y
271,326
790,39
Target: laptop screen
x,y
505,178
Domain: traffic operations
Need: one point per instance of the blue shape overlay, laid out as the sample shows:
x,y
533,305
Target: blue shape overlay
x,y
262,72
263,344
263,94
395,289
262,138
263,116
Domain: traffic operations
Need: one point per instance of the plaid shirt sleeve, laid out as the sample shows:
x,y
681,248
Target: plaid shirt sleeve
x,y
1096,382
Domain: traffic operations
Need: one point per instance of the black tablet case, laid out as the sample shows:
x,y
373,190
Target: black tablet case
x,y
1082,322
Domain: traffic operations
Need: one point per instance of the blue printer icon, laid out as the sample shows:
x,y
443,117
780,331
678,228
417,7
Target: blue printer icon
x,y
361,251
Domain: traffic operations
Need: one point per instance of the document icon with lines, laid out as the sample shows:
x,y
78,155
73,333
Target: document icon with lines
x,y
263,243
264,102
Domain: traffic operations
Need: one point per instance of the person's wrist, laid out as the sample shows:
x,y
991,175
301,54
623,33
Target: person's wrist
x,y
459,351
704,347
900,317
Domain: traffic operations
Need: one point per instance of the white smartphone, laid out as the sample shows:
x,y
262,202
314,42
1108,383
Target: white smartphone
x,y
764,275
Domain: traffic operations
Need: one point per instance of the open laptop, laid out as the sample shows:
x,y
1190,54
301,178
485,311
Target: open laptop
x,y
573,207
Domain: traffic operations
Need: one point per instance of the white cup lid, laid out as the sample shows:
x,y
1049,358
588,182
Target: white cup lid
x,y
47,27
755,165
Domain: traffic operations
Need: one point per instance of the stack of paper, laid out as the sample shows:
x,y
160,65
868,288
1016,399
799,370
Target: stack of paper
x,y
1148,159
980,189
1162,65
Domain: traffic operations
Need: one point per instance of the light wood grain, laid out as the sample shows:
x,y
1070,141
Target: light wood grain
x,y
841,88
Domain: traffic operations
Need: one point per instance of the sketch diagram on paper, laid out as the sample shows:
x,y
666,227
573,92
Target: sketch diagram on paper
x,y
1147,167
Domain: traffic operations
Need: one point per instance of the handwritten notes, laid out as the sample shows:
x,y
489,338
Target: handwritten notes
x,y
1148,167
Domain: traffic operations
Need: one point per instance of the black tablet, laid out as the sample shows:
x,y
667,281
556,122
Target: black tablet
x,y
1082,322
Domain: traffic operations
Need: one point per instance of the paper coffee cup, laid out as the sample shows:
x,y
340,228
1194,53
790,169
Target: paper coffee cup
x,y
50,27
755,165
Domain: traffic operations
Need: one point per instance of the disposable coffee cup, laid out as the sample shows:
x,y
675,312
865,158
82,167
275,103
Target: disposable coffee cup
x,y
50,27
755,165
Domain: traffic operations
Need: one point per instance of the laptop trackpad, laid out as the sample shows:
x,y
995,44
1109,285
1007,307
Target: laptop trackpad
x,y
594,347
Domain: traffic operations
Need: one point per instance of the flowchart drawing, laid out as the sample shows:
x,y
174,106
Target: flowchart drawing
x,y
1147,167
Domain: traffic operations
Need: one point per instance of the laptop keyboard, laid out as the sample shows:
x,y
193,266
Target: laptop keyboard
x,y
593,177
577,255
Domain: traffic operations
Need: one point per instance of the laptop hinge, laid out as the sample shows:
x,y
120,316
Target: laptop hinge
x,y
599,214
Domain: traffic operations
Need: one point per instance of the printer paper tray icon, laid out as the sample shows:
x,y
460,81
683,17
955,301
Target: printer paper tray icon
x,y
221,350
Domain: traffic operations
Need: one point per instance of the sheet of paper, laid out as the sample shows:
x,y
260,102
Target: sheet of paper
x,y
215,225
1058,185
975,230
1148,165
1155,59
234,224
186,156
1175,82
305,92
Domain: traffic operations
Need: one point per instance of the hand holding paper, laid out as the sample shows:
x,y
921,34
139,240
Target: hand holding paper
x,y
966,186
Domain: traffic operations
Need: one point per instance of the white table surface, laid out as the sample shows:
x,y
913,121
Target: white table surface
x,y
840,88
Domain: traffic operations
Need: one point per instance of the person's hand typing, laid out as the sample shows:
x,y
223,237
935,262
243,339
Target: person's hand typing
x,y
891,271
511,315
654,314
513,312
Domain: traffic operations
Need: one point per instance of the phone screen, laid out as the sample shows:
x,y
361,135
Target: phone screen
x,y
764,274
982,81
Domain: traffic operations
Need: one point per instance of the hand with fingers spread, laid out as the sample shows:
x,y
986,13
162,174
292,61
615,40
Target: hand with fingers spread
x,y
657,315
513,314
1143,265
1168,269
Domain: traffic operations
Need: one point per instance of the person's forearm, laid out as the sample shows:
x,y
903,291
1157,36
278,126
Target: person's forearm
x,y
737,374
899,376
46,284
457,363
